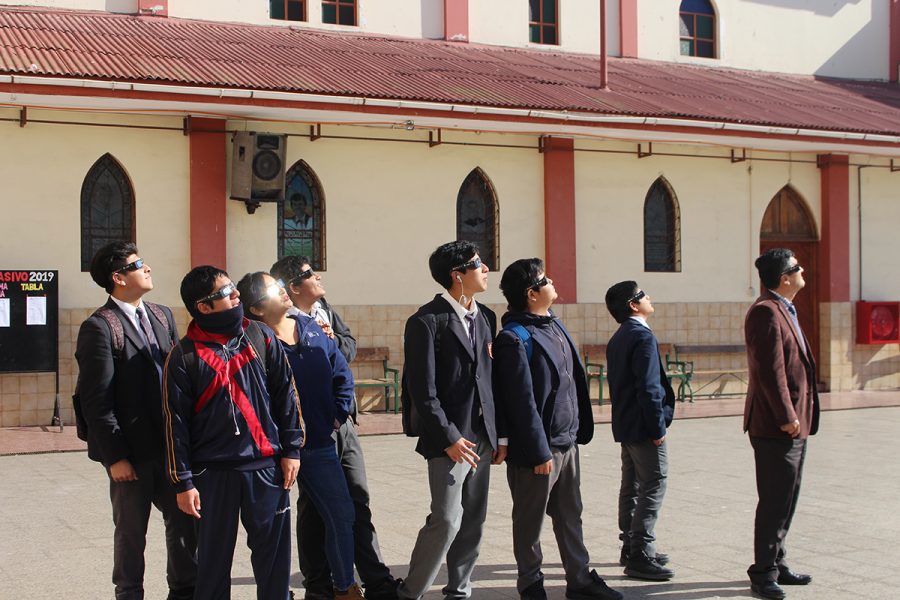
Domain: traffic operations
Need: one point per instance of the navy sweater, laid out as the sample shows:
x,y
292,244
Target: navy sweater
x,y
324,381
544,401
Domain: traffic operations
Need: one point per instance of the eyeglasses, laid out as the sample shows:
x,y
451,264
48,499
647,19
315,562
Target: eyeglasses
x,y
132,266
302,276
791,270
472,264
223,292
273,290
539,283
637,297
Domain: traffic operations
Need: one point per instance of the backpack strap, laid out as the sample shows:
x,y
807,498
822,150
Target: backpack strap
x,y
524,335
160,315
116,329
258,340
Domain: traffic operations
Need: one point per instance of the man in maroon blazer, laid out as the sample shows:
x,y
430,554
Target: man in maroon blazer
x,y
781,411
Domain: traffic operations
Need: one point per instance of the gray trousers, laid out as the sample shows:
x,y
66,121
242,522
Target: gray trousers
x,y
645,468
453,530
311,529
559,496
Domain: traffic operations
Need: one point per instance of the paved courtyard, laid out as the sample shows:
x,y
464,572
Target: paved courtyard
x,y
56,530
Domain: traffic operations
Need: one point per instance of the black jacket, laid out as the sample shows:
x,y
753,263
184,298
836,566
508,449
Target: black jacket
x,y
121,400
640,393
342,335
449,389
526,392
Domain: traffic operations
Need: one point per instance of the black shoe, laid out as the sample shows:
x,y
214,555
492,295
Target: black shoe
x,y
645,567
535,591
314,594
662,559
385,590
788,577
769,589
595,590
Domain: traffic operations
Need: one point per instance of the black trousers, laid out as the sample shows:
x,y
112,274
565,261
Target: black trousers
x,y
779,468
131,502
311,529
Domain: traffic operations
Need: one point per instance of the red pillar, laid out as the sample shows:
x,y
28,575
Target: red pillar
x,y
834,247
559,217
207,156
894,33
628,28
456,20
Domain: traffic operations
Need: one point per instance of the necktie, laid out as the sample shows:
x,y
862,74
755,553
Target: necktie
x,y
470,322
149,336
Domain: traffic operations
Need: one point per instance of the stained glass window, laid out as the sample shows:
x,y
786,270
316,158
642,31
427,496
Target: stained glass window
x,y
301,217
477,216
107,208
662,229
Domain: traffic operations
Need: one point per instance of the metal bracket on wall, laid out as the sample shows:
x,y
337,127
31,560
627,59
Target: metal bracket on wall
x,y
649,152
186,125
315,132
431,141
541,144
741,158
23,116
893,168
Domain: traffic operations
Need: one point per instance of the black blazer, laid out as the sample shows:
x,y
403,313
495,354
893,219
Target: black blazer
x,y
642,398
346,343
525,392
451,389
121,399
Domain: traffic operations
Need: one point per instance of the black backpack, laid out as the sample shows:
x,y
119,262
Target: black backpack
x,y
117,333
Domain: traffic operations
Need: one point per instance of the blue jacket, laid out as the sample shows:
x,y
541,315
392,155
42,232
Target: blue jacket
x,y
640,393
537,419
227,410
323,379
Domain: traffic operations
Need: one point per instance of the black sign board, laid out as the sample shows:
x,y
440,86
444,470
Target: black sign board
x,y
29,321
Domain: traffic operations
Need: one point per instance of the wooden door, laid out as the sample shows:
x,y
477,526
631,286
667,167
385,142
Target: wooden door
x,y
789,224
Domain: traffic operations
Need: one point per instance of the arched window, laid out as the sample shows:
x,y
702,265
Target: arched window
x,y
107,208
662,229
477,216
698,28
301,217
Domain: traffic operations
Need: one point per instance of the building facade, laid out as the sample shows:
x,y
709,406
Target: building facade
x,y
420,122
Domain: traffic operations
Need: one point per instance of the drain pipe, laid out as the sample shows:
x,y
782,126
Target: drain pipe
x,y
604,76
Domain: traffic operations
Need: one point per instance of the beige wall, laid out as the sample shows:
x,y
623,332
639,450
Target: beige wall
x,y
44,169
837,39
721,204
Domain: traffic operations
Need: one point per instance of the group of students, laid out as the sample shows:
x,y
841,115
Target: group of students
x,y
218,425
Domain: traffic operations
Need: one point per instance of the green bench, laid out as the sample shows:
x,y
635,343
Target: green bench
x,y
713,376
676,370
390,381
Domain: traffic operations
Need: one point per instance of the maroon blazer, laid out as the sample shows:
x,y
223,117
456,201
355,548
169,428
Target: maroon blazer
x,y
782,373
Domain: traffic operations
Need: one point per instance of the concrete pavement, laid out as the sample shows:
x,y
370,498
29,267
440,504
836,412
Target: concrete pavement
x,y
56,530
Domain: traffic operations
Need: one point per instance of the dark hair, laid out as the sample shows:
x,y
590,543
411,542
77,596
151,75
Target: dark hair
x,y
617,298
288,268
252,287
199,283
772,265
449,255
517,279
109,259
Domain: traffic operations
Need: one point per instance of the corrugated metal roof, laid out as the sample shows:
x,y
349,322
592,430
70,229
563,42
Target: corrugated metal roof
x,y
94,45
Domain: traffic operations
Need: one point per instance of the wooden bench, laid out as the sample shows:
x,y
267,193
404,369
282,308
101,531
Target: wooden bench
x,y
595,369
390,381
713,375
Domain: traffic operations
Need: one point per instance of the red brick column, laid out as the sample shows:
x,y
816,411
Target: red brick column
x,y
207,174
628,28
559,217
834,247
456,20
